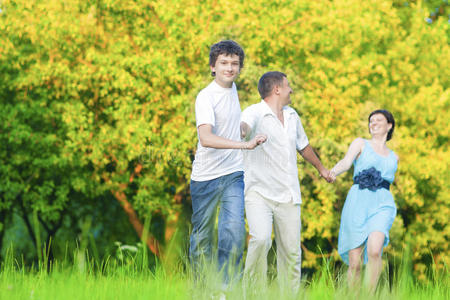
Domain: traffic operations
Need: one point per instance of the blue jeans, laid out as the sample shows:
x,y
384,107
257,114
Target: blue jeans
x,y
228,192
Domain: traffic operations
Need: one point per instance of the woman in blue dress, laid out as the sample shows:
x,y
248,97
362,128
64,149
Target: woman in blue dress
x,y
369,209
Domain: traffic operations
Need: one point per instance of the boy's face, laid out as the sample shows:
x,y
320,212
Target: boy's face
x,y
227,69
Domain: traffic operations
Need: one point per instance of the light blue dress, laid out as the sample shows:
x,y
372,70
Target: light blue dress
x,y
366,211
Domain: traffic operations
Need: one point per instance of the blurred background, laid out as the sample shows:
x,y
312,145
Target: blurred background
x,y
97,125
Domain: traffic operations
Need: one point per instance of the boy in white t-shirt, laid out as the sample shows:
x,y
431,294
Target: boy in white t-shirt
x,y
217,171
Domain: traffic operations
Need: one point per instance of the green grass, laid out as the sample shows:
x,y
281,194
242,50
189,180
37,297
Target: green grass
x,y
125,278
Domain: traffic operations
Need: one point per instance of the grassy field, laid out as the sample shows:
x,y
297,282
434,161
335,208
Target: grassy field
x,y
125,278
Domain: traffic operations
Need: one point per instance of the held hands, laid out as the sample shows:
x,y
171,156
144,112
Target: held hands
x,y
257,140
328,175
332,175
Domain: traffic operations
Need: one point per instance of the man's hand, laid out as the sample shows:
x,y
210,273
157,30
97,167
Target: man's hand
x,y
245,130
254,142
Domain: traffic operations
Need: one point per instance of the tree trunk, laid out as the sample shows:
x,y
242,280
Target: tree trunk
x,y
151,242
27,221
3,229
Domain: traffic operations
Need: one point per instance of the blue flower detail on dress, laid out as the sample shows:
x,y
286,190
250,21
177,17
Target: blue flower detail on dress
x,y
369,179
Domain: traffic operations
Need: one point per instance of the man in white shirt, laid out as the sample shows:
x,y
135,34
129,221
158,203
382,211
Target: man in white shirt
x,y
272,189
217,171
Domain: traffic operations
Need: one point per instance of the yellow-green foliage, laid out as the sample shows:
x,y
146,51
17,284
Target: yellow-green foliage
x,y
124,76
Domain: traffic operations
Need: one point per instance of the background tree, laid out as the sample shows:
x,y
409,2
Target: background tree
x,y
98,109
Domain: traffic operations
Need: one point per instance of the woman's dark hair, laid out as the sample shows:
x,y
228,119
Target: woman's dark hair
x,y
389,117
227,47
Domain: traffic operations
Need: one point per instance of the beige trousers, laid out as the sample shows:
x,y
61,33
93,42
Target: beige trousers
x,y
261,214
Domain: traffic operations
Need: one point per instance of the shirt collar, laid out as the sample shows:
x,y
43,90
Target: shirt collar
x,y
268,111
217,87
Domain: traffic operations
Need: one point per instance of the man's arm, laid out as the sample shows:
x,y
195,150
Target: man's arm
x,y
209,139
245,130
310,156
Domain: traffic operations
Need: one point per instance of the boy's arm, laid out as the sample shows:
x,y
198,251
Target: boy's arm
x,y
209,139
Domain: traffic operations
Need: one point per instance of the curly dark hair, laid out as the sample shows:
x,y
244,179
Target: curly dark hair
x,y
227,47
389,117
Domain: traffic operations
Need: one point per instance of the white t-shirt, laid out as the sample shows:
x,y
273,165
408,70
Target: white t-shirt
x,y
271,168
219,107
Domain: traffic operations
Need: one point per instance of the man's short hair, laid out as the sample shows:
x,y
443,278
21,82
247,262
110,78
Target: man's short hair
x,y
268,81
227,47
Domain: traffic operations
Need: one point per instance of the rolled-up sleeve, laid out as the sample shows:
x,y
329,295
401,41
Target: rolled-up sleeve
x,y
301,140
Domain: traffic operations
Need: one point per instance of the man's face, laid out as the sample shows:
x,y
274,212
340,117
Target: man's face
x,y
227,69
285,91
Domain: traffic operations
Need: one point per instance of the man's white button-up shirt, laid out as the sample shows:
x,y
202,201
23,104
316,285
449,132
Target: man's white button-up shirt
x,y
271,168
